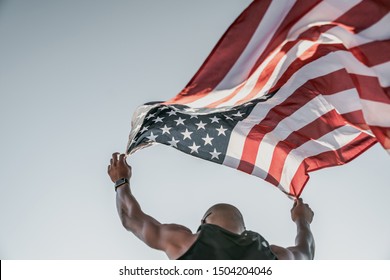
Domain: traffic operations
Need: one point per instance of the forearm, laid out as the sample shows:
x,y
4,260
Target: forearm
x,y
304,239
128,208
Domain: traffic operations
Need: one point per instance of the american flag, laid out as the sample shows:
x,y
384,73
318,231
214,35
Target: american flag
x,y
291,87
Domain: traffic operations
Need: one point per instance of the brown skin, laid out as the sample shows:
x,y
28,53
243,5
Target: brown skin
x,y
175,239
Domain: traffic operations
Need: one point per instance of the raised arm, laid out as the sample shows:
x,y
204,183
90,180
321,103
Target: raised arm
x,y
173,239
304,247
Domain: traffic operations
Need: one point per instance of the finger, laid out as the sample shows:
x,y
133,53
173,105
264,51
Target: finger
x,y
114,158
122,158
108,168
295,204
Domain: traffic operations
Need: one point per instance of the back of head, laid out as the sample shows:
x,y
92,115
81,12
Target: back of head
x,y
226,216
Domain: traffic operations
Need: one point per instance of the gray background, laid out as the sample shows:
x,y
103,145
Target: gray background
x,y
71,74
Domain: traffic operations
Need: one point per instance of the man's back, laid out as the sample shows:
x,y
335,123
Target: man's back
x,y
217,243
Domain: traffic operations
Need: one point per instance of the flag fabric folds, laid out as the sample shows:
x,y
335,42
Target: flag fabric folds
x,y
291,87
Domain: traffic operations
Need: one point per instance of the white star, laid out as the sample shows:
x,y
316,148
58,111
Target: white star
x,y
221,130
166,129
214,119
180,121
158,119
186,134
201,125
194,148
228,118
172,112
214,154
173,142
152,137
145,129
238,114
150,116
207,140
194,116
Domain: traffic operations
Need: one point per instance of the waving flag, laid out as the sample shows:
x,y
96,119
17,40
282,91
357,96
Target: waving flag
x,y
291,87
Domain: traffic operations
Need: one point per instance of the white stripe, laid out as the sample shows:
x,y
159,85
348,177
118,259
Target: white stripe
x,y
324,12
300,118
383,73
332,141
355,66
379,31
345,101
376,113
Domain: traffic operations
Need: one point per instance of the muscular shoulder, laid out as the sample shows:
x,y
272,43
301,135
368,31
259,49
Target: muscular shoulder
x,y
179,239
282,253
290,253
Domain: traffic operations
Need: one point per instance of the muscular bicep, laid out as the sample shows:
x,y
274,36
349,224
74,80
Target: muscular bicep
x,y
173,239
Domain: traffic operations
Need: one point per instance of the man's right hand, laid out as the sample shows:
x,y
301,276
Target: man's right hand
x,y
302,211
118,167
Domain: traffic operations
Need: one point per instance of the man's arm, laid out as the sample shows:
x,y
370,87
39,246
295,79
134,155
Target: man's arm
x,y
304,247
173,239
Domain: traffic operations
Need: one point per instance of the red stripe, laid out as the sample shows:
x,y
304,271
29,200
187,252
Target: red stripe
x,y
330,158
356,118
369,88
373,53
296,100
225,53
314,130
382,134
331,83
387,91
362,16
384,3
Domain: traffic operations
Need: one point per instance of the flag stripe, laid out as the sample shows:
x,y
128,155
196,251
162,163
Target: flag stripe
x,y
362,15
369,88
369,55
